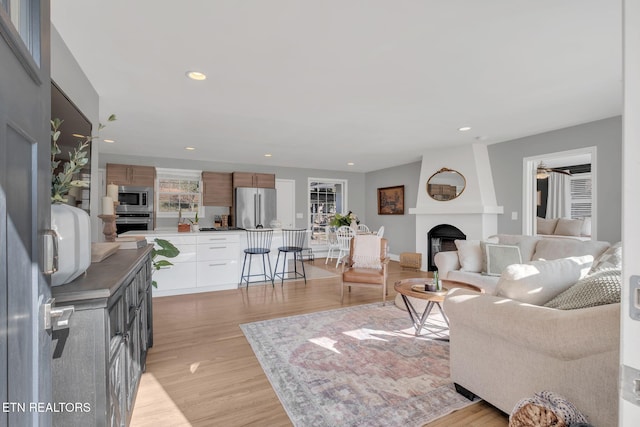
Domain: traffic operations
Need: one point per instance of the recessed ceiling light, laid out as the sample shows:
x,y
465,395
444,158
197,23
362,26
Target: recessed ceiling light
x,y
268,155
110,141
189,148
464,128
350,164
196,75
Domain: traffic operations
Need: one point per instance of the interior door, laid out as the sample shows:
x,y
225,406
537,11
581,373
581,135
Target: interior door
x,y
286,209
25,346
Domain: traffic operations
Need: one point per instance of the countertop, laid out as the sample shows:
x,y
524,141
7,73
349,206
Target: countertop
x,y
102,279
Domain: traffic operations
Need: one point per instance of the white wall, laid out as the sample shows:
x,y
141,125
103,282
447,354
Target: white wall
x,y
630,345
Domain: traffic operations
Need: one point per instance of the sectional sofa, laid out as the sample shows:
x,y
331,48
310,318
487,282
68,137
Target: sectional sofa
x,y
524,335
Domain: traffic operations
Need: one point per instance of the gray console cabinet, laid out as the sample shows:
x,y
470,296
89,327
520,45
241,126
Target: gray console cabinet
x,y
99,358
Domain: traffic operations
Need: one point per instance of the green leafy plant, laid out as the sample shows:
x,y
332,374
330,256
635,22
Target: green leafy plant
x,y
195,220
340,220
168,250
63,180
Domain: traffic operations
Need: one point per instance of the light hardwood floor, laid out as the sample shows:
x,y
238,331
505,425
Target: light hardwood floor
x,y
201,370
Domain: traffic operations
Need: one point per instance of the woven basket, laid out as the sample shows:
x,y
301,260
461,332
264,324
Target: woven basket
x,y
411,260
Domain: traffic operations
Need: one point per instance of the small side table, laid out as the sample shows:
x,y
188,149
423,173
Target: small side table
x,y
405,289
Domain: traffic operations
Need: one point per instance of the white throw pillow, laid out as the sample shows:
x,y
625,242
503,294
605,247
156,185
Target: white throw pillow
x,y
470,255
538,282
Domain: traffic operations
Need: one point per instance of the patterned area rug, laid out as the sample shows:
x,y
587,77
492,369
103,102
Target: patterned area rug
x,y
356,366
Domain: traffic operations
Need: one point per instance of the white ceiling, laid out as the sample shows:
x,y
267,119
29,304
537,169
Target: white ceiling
x,y
321,83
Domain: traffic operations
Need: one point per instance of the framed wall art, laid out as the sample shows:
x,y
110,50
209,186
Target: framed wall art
x,y
391,200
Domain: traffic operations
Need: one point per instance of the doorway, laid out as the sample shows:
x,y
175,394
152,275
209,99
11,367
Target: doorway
x,y
532,199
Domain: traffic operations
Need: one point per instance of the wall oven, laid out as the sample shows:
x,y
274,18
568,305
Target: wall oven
x,y
135,211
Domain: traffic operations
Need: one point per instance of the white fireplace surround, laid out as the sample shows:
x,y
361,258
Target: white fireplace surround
x,y
474,212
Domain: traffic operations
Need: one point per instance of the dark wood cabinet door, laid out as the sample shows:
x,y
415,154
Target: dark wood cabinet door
x,y
217,189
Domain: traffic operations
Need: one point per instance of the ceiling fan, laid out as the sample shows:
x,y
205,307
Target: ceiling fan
x,y
543,171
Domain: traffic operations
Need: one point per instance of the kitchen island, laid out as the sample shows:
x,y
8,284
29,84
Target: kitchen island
x,y
208,260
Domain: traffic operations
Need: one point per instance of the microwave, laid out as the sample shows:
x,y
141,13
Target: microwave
x,y
134,199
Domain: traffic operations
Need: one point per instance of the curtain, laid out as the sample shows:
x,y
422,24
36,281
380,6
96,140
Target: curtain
x,y
559,198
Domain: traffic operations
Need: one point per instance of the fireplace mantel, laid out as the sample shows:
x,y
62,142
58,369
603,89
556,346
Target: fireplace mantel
x,y
453,210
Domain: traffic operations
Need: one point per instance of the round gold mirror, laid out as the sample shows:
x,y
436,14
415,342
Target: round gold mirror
x,y
446,184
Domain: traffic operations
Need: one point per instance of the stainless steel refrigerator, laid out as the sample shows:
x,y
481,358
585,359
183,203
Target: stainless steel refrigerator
x,y
255,207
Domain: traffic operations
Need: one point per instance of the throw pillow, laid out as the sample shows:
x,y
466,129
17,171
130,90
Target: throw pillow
x,y
527,244
599,288
586,226
546,225
470,255
497,257
568,227
611,258
538,282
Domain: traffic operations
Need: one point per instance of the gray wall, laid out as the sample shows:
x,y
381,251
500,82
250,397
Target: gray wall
x,y
356,192
68,75
400,230
506,165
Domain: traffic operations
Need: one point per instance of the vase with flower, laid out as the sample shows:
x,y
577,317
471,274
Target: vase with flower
x,y
71,225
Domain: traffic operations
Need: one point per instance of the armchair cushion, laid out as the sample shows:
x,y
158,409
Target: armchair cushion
x,y
363,275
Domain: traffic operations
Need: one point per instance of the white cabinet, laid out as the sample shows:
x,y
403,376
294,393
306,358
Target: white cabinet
x,y
182,275
218,260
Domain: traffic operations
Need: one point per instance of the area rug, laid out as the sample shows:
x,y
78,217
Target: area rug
x,y
356,366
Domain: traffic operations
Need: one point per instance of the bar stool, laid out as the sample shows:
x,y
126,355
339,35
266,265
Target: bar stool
x,y
292,242
258,243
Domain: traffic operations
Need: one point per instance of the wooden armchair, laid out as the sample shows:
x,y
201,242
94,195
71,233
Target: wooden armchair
x,y
359,270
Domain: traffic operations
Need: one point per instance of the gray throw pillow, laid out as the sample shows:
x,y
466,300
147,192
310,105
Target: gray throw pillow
x,y
599,288
497,257
611,258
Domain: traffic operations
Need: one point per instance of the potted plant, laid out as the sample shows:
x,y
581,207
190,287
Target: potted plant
x,y
168,250
194,223
340,220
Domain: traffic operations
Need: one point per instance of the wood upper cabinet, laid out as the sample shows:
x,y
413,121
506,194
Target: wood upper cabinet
x,y
139,176
217,189
249,179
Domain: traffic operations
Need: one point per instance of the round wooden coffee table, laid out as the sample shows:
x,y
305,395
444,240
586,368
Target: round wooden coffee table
x,y
411,288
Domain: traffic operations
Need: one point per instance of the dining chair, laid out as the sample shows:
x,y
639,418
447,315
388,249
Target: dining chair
x,y
381,231
366,264
363,228
332,242
344,234
258,243
292,243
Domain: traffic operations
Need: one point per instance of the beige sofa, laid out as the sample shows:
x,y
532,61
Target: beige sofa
x,y
503,350
451,265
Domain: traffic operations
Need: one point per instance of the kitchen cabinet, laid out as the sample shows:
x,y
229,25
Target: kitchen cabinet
x,y
182,274
217,189
218,260
138,176
249,179
99,359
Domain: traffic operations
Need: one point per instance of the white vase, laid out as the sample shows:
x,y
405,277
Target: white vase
x,y
73,233
195,228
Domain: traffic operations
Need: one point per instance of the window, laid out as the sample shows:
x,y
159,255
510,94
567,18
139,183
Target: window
x,y
581,199
178,191
25,17
326,198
